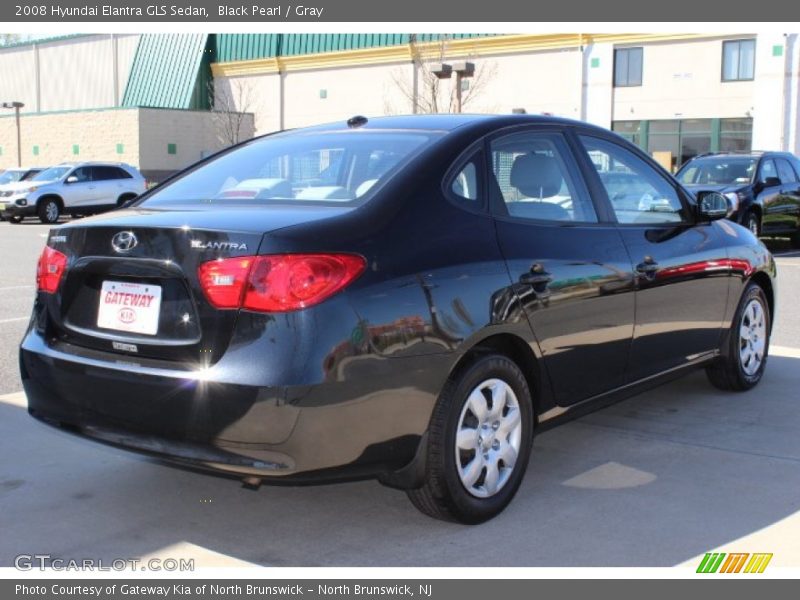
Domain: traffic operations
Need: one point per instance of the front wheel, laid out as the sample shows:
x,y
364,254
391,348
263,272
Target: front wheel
x,y
48,210
742,363
751,222
479,442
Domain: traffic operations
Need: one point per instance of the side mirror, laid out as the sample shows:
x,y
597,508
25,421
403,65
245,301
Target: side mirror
x,y
772,182
71,179
713,206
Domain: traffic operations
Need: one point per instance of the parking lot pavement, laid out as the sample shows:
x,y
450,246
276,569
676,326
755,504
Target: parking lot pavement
x,y
653,481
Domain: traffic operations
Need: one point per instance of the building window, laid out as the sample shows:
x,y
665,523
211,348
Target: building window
x,y
735,135
628,67
686,138
630,130
738,60
172,148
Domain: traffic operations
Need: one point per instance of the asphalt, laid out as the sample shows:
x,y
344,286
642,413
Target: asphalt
x,y
657,480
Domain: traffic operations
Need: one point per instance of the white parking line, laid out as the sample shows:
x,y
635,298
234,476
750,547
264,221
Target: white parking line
x,y
14,320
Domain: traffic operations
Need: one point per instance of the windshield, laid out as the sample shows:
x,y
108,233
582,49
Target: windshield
x,y
51,174
11,176
718,171
315,167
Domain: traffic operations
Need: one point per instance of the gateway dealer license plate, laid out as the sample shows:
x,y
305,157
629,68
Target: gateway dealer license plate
x,y
132,307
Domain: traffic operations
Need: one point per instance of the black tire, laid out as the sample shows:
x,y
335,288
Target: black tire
x,y
727,372
443,495
16,220
49,210
752,222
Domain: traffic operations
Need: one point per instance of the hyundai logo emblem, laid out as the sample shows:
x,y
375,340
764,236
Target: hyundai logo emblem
x,y
124,241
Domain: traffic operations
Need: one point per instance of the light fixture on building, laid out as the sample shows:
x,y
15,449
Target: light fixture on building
x,y
15,106
463,70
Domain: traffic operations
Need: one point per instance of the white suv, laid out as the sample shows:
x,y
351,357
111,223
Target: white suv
x,y
71,188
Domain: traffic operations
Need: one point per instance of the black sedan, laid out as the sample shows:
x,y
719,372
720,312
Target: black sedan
x,y
406,298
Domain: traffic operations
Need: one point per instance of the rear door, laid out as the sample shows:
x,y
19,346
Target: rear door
x,y
570,271
681,267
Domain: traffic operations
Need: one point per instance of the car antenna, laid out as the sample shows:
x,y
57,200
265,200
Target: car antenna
x,y
357,121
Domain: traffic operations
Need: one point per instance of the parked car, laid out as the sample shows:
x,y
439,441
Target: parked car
x,y
763,187
19,174
11,176
72,188
415,320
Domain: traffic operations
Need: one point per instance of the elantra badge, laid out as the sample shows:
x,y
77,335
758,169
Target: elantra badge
x,y
124,241
201,245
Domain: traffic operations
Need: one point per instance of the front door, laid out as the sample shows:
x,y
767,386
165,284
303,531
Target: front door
x,y
682,267
571,272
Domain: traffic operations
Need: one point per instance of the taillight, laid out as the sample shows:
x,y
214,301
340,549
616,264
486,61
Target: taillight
x,y
279,282
50,269
223,280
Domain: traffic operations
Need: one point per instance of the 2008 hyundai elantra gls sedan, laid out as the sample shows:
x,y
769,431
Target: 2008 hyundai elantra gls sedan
x,y
409,299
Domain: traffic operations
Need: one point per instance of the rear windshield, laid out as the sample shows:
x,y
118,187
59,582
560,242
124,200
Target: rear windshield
x,y
315,167
718,171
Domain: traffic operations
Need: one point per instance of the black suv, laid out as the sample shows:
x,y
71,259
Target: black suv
x,y
764,188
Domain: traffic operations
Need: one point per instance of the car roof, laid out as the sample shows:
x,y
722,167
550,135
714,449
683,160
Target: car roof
x,y
442,122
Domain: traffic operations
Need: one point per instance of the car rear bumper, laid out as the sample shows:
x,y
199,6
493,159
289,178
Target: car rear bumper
x,y
330,431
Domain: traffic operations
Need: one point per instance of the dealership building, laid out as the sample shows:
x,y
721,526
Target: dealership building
x,y
162,101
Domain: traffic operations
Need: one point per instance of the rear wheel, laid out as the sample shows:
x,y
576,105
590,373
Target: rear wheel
x,y
742,364
479,442
48,210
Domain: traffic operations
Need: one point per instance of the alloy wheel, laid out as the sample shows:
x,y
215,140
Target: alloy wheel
x,y
488,438
752,337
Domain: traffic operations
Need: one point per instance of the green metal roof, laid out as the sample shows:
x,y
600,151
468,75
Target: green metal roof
x,y
230,47
170,71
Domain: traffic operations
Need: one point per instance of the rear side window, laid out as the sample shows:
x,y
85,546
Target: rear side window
x,y
338,167
535,177
464,186
637,192
785,171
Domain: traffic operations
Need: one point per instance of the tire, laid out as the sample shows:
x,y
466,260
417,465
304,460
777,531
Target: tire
x,y
751,222
457,488
733,371
16,220
48,210
795,240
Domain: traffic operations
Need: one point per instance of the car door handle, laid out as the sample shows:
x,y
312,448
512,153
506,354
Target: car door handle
x,y
648,266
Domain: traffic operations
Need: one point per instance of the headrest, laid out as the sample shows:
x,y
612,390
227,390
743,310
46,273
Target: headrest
x,y
536,175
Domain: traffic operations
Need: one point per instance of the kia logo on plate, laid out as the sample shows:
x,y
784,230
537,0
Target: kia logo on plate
x,y
124,241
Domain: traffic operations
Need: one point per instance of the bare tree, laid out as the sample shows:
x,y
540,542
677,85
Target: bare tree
x,y
428,94
229,105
